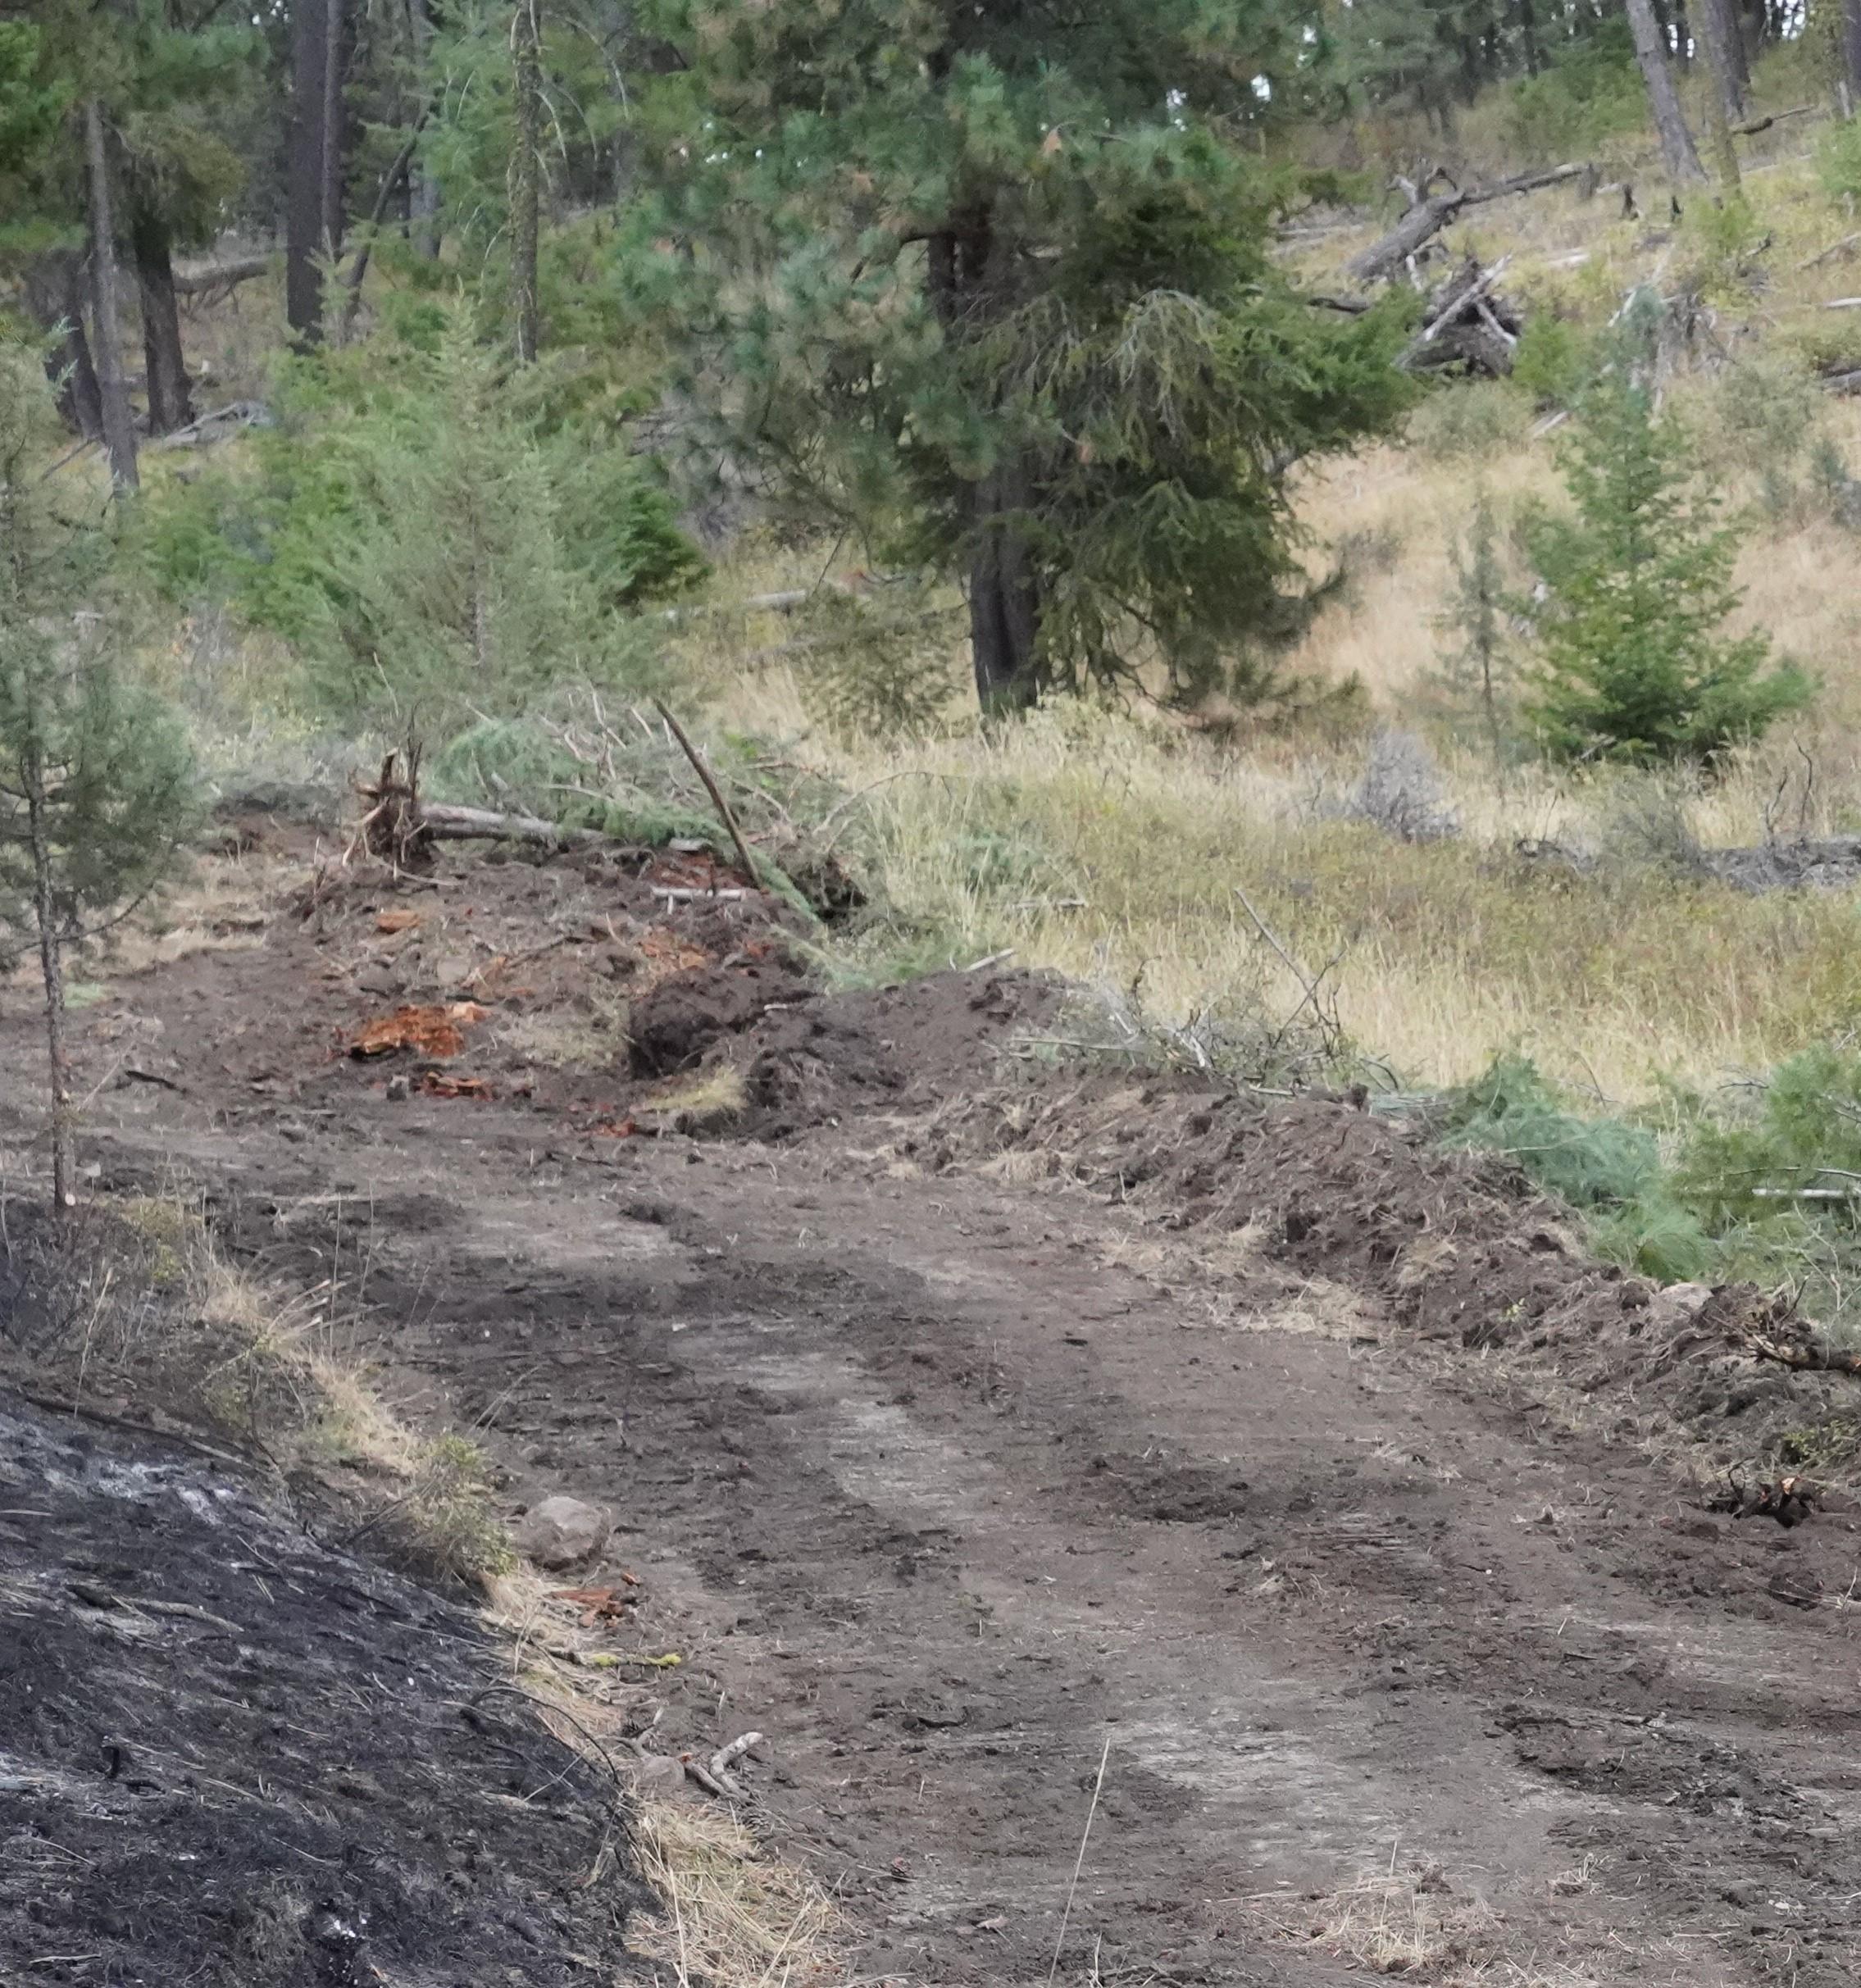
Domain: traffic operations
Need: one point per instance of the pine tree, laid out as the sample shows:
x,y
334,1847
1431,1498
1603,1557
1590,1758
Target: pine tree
x,y
1475,672
1634,662
993,287
94,776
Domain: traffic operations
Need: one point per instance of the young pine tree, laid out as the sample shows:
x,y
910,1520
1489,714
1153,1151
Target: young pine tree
x,y
95,782
1475,673
1634,662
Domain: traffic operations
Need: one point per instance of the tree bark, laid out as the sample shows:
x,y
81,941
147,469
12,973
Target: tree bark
x,y
423,189
1725,55
54,290
303,219
1657,71
1528,37
1850,55
526,173
1004,602
170,392
119,430
1724,99
51,967
335,154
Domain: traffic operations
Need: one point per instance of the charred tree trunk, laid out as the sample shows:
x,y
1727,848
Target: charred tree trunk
x,y
54,289
1657,71
170,392
119,430
526,173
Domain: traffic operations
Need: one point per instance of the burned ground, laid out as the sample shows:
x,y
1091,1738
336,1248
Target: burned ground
x,y
969,1428
236,1755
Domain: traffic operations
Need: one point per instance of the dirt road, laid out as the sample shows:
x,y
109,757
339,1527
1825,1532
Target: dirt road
x,y
957,1489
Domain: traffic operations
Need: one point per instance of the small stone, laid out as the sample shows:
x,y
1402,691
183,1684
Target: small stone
x,y
563,1532
659,1774
1678,1305
399,1089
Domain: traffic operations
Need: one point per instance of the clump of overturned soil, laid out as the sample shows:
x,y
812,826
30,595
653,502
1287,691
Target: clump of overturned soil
x,y
821,1061
233,1756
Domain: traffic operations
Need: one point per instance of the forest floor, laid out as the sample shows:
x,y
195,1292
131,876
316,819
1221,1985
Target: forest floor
x,y
1014,1459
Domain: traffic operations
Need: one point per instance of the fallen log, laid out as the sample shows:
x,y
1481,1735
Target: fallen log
x,y
217,426
221,276
1423,222
445,823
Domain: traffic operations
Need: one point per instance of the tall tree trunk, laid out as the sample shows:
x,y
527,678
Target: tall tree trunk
x,y
423,189
1725,56
51,967
170,392
54,292
1851,55
1004,609
1528,37
303,218
1657,72
336,151
1724,99
119,430
527,172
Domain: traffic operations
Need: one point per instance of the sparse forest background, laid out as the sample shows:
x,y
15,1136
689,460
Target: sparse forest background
x,y
1332,526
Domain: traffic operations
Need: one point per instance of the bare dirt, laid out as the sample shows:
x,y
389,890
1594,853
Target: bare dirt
x,y
970,1429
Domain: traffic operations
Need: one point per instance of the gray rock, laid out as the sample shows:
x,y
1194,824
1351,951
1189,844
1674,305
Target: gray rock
x,y
1678,1305
659,1774
561,1532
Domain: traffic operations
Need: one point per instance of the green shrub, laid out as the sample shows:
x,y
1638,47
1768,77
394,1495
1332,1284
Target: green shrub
x,y
1584,99
432,543
1838,158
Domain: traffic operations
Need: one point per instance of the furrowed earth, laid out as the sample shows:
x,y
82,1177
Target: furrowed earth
x,y
1288,1513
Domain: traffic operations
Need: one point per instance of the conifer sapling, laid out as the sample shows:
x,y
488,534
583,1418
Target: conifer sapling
x,y
95,780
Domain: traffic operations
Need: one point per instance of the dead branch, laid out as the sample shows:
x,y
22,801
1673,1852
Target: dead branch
x,y
1825,255
712,789
727,1757
1752,126
1423,222
687,894
1813,1357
